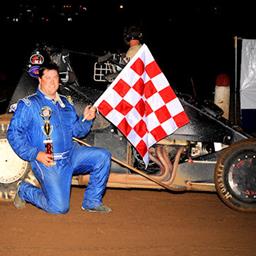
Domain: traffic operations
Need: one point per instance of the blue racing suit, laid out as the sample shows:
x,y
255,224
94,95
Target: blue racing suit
x,y
26,136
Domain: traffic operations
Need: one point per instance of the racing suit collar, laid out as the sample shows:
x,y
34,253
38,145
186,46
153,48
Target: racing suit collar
x,y
56,100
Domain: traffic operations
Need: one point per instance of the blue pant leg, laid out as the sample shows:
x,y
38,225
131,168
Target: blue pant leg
x,y
54,194
96,162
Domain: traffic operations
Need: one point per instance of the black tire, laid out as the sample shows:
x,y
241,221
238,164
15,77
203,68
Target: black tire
x,y
235,176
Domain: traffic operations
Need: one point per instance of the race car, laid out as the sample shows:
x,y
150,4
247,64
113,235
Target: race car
x,y
208,154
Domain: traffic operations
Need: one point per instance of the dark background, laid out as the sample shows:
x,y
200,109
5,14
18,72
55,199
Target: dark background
x,y
192,41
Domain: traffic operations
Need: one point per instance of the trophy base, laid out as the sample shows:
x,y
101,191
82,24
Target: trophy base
x,y
53,163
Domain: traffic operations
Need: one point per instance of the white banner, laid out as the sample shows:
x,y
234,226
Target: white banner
x,y
248,74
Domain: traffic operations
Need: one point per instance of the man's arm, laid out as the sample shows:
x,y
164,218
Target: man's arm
x,y
83,125
17,133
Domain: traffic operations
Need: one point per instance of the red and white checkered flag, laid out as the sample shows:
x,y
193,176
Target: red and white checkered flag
x,y
141,103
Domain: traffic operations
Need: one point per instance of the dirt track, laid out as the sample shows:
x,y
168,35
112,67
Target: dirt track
x,y
143,223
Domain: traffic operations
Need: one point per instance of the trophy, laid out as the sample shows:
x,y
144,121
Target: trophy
x,y
47,130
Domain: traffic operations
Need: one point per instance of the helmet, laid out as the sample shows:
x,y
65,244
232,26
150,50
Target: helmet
x,y
131,33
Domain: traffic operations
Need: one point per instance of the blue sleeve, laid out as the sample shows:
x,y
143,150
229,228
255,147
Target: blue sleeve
x,y
17,135
80,128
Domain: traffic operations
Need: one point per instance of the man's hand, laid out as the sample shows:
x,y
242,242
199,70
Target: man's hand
x,y
89,113
44,158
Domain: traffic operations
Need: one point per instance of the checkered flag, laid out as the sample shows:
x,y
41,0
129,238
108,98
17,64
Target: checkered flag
x,y
141,103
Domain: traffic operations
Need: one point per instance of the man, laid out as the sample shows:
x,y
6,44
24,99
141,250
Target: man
x,y
133,38
41,132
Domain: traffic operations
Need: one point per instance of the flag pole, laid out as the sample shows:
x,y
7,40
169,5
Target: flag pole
x,y
236,85
237,108
128,166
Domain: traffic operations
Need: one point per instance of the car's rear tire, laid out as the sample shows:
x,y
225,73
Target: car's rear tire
x,y
235,176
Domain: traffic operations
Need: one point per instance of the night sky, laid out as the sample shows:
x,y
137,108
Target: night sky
x,y
192,41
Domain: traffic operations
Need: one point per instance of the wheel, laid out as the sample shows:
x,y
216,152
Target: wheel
x,y
235,176
12,168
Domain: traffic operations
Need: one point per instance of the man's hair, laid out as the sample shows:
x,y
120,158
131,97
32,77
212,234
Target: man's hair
x,y
48,66
132,32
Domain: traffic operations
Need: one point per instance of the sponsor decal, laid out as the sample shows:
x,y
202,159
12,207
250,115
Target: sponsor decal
x,y
37,59
220,181
34,71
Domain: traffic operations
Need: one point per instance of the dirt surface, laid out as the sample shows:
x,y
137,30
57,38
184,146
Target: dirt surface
x,y
143,223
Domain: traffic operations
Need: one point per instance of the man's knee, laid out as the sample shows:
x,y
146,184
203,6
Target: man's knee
x,y
102,160
60,208
103,155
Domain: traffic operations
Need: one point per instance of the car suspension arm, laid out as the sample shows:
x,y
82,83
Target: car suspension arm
x,y
130,167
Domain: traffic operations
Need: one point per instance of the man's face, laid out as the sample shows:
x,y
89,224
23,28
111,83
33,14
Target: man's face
x,y
49,83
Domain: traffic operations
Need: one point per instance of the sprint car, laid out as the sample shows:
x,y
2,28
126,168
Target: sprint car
x,y
208,154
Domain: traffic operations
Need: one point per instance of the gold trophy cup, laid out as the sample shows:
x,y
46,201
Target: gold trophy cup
x,y
47,130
